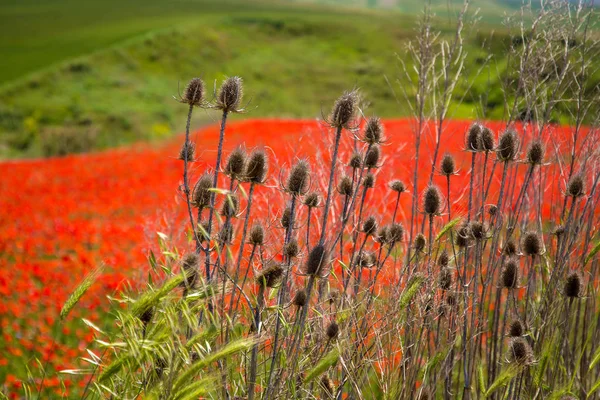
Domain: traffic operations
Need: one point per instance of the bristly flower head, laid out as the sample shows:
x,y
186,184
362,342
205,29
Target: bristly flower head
x,y
312,200
520,352
575,187
194,93
328,386
201,195
355,160
297,182
531,244
187,152
257,235
236,164
473,137
230,95
395,233
510,248
344,110
256,168
448,166
535,152
419,242
478,230
508,145
286,217
226,234
432,200
486,142
299,298
369,180
463,235
189,267
373,131
516,329
370,226
572,287
270,275
332,330
397,186
372,157
230,207
510,274
317,261
443,259
291,249
365,259
344,186
445,278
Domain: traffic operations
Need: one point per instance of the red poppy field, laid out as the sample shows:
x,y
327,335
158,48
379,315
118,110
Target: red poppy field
x,y
62,218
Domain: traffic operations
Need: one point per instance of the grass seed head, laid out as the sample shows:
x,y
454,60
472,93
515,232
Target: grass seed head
x,y
508,145
257,235
270,275
235,166
572,287
202,193
448,166
575,187
373,131
531,244
344,110
194,92
230,94
432,200
298,179
372,157
256,168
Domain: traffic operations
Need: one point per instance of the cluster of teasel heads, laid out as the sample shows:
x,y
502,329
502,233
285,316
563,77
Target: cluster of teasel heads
x,y
467,292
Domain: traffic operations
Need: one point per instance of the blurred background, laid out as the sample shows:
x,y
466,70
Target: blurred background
x,y
83,75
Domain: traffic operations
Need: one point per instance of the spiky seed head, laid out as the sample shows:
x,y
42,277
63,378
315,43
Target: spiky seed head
x,y
535,152
333,296
344,110
445,278
257,235
328,386
270,275
473,137
531,244
575,187
187,152
226,234
443,259
286,217
298,179
510,274
370,226
397,186
395,233
572,287
515,329
355,160
451,300
463,235
365,259
520,351
291,249
202,231
420,242
559,230
256,168
230,206
189,267
194,92
202,193
382,235
448,166
373,131
299,299
369,180
332,330
487,140
230,94
318,258
312,200
344,186
493,210
510,248
478,230
508,145
235,166
372,157
432,200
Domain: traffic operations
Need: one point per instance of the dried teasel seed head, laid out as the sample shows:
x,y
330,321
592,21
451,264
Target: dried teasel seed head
x,y
230,94
369,180
432,200
508,145
344,110
344,186
395,233
572,286
355,160
493,210
397,186
372,157
270,275
443,259
473,137
463,235
291,249
486,142
575,187
448,166
318,258
535,152
451,300
230,206
510,248
328,386
559,230
235,166
298,179
420,242
332,330
370,226
256,168
373,131
531,244
189,268
445,279
333,297
202,231
478,230
519,351
516,329
202,193
312,200
299,298
365,259
226,234
187,152
382,234
286,218
257,235
510,274
194,92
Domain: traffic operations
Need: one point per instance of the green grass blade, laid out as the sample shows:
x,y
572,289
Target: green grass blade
x,y
592,253
326,362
